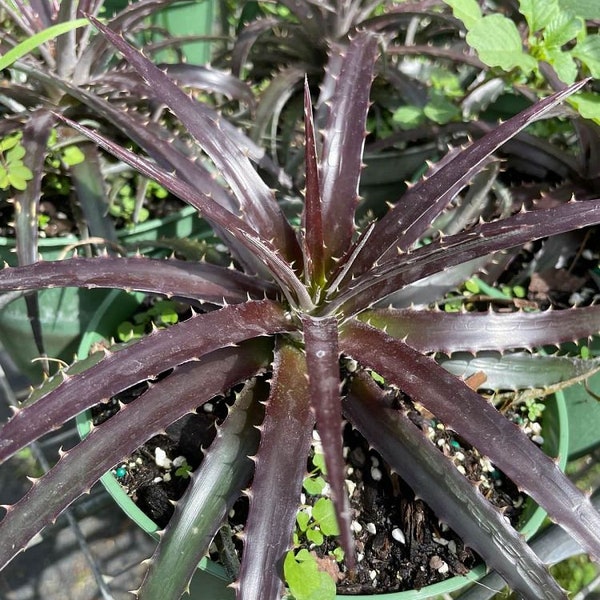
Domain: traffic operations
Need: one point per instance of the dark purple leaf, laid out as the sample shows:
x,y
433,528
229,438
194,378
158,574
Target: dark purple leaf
x,y
403,225
343,143
519,370
456,56
322,361
172,277
35,141
273,100
225,470
311,16
245,39
155,140
438,331
480,241
44,10
28,17
212,80
95,56
256,199
210,210
281,460
66,44
396,15
152,355
313,216
480,424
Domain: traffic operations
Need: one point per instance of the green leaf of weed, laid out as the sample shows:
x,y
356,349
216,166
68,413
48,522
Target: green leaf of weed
x,y
538,13
588,52
562,29
468,11
304,579
323,513
498,44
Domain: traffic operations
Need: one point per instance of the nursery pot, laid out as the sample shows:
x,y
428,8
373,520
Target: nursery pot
x,y
210,581
178,19
65,313
187,18
584,410
584,418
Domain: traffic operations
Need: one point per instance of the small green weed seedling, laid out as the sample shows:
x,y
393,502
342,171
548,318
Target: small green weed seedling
x,y
183,469
127,203
440,108
13,172
63,151
533,409
314,523
304,579
61,156
124,207
161,314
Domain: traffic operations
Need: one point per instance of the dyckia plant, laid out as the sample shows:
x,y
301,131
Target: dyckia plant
x,y
294,305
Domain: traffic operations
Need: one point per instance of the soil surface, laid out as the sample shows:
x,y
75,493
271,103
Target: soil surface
x,y
400,542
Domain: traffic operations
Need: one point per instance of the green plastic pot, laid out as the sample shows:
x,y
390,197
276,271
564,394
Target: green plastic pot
x,y
211,581
584,409
179,19
188,18
65,313
583,405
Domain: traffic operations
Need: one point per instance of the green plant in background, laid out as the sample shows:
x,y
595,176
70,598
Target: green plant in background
x,y
54,63
314,484
61,155
315,521
43,221
533,409
575,573
475,288
124,207
13,172
27,464
38,39
556,35
183,469
445,87
303,574
319,523
72,155
572,574
161,314
128,204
